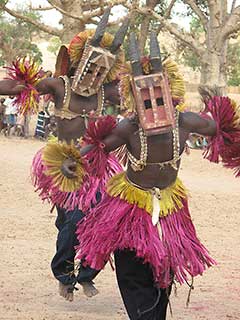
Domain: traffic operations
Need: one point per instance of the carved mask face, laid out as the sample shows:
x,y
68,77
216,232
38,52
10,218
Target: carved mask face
x,y
92,70
151,92
96,61
154,103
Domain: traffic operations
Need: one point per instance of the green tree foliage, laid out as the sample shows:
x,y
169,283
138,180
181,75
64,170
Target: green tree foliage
x,y
186,56
233,64
54,45
190,59
16,39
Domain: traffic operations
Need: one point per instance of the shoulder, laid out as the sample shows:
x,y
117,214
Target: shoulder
x,y
188,120
125,127
49,85
193,122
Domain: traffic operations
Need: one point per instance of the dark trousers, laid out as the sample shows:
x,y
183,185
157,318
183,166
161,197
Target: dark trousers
x,y
142,300
63,262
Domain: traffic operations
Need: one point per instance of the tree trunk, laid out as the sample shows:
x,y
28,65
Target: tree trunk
x,y
144,29
213,70
71,26
213,67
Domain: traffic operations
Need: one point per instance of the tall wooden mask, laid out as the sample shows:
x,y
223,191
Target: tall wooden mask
x,y
96,61
151,92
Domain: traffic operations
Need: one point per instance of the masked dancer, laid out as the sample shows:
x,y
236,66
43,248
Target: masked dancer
x,y
143,218
87,73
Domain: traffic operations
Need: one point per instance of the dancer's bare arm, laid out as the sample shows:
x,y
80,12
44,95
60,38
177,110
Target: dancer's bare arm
x,y
118,137
11,87
47,86
193,123
14,87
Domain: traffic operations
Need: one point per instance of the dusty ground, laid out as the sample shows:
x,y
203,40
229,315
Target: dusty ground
x,y
28,290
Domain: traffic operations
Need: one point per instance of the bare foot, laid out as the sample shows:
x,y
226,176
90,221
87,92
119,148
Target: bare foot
x,y
89,289
66,291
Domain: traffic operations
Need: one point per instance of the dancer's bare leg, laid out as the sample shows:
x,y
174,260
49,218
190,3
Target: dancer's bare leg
x,y
89,289
66,291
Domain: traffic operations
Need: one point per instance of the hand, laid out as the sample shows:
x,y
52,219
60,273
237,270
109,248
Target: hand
x,y
19,88
69,168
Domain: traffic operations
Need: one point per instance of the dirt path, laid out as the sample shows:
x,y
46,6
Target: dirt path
x,y
27,241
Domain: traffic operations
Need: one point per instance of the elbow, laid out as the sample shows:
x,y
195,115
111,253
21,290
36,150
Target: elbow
x,y
18,89
213,128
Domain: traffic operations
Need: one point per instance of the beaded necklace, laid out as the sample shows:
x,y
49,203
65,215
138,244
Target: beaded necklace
x,y
65,113
139,164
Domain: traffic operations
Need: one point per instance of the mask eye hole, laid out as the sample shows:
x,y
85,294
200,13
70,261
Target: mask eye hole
x,y
160,101
147,104
94,55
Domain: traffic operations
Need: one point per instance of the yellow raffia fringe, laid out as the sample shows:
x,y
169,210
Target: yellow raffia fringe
x,y
28,72
236,120
125,89
51,138
175,79
171,197
181,107
53,156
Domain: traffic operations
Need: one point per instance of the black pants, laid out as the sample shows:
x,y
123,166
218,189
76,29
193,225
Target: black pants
x,y
63,262
136,284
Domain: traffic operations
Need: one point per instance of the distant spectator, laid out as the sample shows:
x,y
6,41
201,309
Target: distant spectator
x,y
196,141
10,114
47,98
51,129
22,126
2,114
43,114
40,130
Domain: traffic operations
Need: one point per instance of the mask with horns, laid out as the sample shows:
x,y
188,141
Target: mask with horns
x,y
151,92
95,56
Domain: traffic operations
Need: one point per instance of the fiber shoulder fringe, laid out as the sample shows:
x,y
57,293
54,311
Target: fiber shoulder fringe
x,y
122,220
79,192
225,145
27,73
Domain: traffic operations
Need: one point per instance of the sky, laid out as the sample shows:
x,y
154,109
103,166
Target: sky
x,y
52,17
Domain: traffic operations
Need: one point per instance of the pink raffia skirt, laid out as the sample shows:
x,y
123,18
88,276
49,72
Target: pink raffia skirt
x,y
83,197
97,167
123,220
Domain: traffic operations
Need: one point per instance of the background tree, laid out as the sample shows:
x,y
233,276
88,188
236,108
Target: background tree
x,y
218,22
190,59
16,39
233,64
76,14
54,45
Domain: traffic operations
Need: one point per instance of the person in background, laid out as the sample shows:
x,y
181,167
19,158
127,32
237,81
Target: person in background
x,y
2,114
51,129
10,114
43,114
22,125
47,101
40,131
